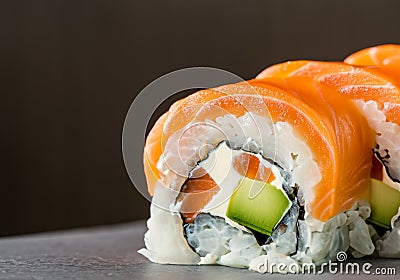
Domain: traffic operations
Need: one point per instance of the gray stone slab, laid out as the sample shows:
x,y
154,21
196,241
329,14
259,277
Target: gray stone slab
x,y
110,253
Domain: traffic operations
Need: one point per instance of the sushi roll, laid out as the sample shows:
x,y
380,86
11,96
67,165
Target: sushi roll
x,y
251,172
384,58
375,91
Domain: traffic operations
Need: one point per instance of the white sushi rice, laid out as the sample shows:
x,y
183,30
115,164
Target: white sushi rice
x,y
164,239
387,134
388,246
216,241
318,242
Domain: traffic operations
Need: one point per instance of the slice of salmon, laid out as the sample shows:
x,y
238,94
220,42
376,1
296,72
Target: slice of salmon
x,y
152,153
341,183
385,56
383,59
357,83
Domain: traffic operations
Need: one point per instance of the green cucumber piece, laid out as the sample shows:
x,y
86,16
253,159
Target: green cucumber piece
x,y
384,201
258,205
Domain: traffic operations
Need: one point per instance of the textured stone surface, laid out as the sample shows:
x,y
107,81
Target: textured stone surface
x,y
110,253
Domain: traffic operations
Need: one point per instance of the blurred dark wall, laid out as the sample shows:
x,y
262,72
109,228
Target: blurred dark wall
x,y
70,69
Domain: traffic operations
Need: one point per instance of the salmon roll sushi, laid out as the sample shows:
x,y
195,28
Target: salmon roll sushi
x,y
384,58
375,90
253,172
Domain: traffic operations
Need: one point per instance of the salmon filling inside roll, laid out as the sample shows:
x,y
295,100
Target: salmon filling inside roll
x,y
228,183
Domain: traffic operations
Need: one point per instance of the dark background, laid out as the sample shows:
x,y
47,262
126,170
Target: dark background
x,y
70,69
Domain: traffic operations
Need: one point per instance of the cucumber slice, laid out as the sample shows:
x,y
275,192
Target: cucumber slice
x,y
384,201
258,205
